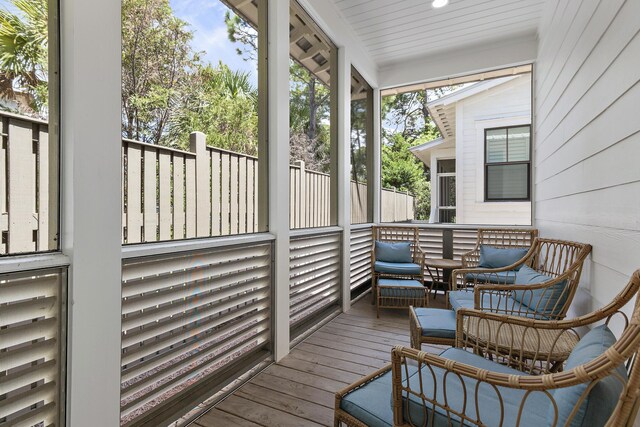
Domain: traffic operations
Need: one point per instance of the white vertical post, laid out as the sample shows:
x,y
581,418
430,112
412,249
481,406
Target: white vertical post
x,y
90,206
278,67
377,156
344,165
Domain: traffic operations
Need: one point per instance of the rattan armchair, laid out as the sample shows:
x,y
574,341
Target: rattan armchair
x,y
396,234
559,260
601,388
504,238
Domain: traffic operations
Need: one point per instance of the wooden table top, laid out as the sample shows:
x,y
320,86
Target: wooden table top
x,y
443,263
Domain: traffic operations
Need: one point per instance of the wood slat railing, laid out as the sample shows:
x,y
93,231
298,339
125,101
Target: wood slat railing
x,y
191,323
32,347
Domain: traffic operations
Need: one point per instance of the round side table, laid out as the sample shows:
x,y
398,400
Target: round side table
x,y
439,270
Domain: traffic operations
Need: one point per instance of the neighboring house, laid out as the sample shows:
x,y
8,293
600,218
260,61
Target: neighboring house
x,y
481,166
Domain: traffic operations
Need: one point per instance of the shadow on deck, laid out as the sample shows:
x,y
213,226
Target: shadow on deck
x,y
299,390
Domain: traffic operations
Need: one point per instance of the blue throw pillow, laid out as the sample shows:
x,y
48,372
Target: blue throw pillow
x,y
601,400
546,301
492,257
393,252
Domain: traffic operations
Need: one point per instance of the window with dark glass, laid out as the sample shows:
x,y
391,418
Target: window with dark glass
x,y
508,163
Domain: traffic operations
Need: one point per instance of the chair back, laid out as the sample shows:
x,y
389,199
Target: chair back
x,y
393,234
562,262
499,238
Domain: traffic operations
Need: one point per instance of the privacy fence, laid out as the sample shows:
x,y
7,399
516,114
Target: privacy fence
x,y
167,193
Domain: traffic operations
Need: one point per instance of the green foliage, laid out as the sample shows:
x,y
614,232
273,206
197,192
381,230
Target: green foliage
x,y
157,60
406,123
24,56
223,105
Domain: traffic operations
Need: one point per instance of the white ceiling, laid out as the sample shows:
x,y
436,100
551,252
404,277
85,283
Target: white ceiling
x,y
396,30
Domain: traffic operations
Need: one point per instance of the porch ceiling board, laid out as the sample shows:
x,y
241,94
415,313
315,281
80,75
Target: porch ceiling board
x,y
399,30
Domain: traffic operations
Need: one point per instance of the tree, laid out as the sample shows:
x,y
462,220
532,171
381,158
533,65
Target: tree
x,y
24,56
157,59
223,104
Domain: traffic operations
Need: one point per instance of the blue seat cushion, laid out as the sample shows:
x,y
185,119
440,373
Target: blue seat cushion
x,y
401,288
547,301
437,322
402,268
370,403
599,404
501,278
535,407
393,252
465,299
492,257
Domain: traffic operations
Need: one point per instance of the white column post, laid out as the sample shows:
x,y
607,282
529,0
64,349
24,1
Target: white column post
x,y
278,67
90,206
344,166
377,156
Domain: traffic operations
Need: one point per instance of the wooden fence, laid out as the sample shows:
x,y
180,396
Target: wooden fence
x,y
167,194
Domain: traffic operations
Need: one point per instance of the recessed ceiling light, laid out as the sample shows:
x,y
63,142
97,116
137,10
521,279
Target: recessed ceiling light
x,y
439,3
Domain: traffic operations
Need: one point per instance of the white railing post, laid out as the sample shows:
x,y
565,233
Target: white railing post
x,y
376,159
90,206
198,145
301,189
344,166
278,67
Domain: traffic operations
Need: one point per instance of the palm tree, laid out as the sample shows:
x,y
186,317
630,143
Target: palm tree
x,y
24,52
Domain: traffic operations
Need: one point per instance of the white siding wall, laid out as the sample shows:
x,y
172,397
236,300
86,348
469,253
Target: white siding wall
x,y
508,104
587,153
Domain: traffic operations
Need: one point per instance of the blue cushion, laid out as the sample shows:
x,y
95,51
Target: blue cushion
x,y
464,299
534,414
598,406
437,322
370,403
398,288
547,301
492,257
405,268
501,278
393,252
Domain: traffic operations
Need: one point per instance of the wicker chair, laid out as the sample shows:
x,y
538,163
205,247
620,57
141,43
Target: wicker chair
x,y
559,260
505,238
597,387
490,290
396,234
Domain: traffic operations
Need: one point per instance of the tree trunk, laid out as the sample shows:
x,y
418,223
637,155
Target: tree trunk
x,y
313,109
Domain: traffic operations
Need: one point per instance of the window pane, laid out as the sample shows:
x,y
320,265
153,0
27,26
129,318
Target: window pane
x,y
447,166
361,122
447,191
519,144
28,105
312,101
496,145
508,182
192,147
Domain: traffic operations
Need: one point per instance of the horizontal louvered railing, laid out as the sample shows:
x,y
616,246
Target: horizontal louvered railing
x,y
360,255
191,323
32,347
314,276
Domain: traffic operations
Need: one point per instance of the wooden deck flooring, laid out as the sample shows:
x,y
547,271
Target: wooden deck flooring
x,y
299,390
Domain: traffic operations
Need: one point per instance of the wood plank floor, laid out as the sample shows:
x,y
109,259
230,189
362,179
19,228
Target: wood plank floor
x,y
299,390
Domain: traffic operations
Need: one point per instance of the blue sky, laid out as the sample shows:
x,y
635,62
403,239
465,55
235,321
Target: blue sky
x,y
206,20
